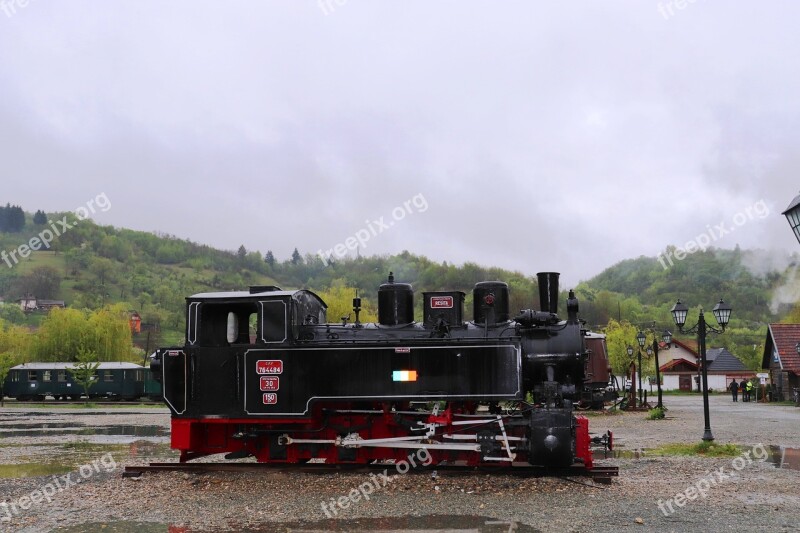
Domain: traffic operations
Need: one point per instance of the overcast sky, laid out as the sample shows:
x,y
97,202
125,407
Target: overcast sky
x,y
559,136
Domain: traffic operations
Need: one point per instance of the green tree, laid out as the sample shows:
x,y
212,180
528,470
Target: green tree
x,y
340,303
296,257
42,282
40,218
84,369
11,313
620,335
63,334
269,258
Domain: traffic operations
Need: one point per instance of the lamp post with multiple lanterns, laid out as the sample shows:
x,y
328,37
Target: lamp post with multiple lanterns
x,y
629,349
722,312
641,338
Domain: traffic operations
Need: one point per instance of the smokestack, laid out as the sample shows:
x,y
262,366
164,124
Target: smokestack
x,y
548,291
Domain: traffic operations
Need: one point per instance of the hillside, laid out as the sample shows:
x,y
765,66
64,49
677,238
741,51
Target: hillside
x,y
91,266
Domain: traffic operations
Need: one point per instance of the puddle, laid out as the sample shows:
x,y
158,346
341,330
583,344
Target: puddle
x,y
402,524
784,457
32,470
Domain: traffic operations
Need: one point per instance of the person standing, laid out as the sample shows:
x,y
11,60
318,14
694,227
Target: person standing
x,y
734,387
748,389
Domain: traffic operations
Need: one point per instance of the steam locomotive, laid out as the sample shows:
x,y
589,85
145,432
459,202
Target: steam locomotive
x,y
263,374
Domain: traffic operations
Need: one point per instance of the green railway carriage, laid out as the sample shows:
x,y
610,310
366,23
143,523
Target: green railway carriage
x,y
37,381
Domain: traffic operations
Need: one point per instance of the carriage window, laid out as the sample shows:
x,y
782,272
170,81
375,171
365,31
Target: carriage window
x,y
62,376
108,376
46,376
139,375
31,375
15,375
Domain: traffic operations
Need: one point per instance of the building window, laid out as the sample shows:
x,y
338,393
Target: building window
x,y
31,375
46,376
108,376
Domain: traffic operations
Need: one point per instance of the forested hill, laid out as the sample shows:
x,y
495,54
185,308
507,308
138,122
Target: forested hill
x,y
747,279
91,266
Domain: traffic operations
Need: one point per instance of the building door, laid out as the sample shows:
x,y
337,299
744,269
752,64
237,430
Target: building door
x,y
685,382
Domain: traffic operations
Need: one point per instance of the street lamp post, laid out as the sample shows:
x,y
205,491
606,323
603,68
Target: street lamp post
x,y
639,372
641,338
632,394
722,312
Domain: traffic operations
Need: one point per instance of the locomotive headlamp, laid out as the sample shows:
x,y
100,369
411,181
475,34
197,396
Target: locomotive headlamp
x,y
792,214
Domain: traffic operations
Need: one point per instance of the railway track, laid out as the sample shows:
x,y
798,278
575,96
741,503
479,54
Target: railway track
x,y
602,474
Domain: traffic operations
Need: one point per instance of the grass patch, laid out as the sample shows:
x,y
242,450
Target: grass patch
x,y
706,449
656,414
32,470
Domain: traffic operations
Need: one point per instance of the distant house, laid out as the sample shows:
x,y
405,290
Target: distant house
x,y
723,368
680,367
27,304
46,305
31,303
781,358
135,323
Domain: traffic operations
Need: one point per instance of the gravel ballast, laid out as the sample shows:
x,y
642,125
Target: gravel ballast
x,y
713,494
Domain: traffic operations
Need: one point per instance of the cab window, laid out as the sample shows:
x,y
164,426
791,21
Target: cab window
x,y
226,324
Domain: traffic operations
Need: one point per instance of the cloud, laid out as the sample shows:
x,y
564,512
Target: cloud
x,y
544,137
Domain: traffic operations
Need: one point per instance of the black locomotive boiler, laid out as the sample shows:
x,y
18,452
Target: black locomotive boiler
x,y
262,373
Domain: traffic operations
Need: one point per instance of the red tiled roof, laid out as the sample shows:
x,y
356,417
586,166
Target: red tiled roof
x,y
689,345
784,337
666,367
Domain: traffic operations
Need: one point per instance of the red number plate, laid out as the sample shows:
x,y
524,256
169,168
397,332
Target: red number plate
x,y
269,367
441,302
270,383
270,398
